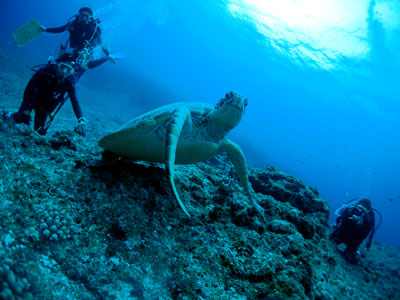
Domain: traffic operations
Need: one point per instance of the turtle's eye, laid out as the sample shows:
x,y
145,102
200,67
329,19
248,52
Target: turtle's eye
x,y
229,95
246,101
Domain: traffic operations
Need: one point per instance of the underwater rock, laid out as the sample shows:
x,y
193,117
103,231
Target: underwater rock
x,y
281,227
286,188
121,234
63,139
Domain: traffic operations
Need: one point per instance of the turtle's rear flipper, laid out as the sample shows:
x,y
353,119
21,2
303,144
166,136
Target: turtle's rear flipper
x,y
107,158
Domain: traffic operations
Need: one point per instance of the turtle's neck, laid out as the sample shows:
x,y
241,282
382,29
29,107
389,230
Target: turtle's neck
x,y
216,128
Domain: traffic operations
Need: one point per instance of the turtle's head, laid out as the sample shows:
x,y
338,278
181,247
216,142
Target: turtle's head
x,y
229,111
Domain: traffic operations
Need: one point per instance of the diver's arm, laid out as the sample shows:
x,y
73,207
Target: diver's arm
x,y
57,29
105,51
74,101
371,223
370,237
97,62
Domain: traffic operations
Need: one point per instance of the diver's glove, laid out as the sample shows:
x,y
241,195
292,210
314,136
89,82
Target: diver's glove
x,y
81,127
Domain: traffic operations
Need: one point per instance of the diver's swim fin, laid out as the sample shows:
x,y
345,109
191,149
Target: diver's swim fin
x,y
27,32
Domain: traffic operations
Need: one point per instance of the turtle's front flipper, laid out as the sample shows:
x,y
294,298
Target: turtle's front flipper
x,y
239,161
174,129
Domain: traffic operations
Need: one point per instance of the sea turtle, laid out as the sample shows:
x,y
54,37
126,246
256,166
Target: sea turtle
x,y
183,133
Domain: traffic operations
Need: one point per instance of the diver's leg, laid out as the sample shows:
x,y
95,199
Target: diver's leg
x,y
23,115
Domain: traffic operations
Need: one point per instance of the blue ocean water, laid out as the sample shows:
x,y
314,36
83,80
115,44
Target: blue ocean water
x,y
321,78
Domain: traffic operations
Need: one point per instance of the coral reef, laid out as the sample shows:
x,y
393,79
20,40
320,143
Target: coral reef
x,y
55,225
116,232
71,231
12,288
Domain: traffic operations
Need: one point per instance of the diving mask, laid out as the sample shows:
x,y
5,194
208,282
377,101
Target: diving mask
x,y
85,17
66,69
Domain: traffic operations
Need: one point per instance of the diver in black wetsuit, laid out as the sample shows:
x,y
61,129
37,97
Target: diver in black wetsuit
x,y
46,91
84,36
84,31
355,222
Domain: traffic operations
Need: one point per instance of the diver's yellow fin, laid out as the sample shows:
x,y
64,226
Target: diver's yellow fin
x,y
27,32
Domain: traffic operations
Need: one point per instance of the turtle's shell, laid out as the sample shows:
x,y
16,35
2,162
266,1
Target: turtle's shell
x,y
144,138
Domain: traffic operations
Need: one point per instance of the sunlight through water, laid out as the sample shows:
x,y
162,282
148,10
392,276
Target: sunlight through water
x,y
313,32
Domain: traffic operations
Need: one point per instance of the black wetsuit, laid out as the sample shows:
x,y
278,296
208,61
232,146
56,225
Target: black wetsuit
x,y
81,35
352,230
44,92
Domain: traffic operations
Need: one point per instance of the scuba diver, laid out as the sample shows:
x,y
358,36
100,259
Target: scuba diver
x,y
355,222
84,36
46,92
83,29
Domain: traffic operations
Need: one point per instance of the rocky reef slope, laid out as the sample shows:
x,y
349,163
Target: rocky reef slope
x,y
70,231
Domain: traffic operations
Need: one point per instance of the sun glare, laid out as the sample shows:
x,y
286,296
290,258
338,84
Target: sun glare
x,y
314,31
